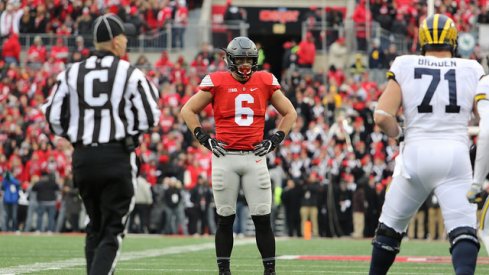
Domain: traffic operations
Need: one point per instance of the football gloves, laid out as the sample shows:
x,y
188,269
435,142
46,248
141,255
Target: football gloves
x,y
214,145
474,195
269,144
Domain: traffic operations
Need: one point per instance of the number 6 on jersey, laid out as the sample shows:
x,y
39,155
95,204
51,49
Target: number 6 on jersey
x,y
243,115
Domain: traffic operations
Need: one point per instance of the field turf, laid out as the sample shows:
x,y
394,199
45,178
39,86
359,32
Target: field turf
x,y
156,254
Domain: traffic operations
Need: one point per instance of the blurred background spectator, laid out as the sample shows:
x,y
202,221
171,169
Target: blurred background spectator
x,y
10,194
68,219
46,189
142,207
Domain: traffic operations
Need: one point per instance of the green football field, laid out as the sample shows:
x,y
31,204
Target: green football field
x,y
156,254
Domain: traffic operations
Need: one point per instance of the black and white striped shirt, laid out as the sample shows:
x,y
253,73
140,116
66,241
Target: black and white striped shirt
x,y
100,100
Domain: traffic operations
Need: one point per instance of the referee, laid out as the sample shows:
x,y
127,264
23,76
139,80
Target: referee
x,y
101,105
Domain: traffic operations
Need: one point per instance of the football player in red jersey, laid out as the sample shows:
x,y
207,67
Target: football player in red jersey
x,y
239,99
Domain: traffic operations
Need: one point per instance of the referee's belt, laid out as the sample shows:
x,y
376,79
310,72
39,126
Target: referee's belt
x,y
96,144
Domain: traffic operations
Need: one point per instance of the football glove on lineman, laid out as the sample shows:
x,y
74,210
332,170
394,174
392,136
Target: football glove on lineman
x,y
269,144
474,195
214,145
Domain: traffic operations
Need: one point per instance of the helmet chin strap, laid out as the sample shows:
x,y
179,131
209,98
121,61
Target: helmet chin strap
x,y
244,71
240,77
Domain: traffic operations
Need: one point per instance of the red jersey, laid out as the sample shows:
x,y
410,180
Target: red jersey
x,y
239,108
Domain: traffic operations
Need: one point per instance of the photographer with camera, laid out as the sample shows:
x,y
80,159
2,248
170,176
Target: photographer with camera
x,y
10,191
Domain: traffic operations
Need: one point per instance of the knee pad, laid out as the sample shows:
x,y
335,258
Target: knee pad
x,y
260,209
464,233
226,211
384,232
225,221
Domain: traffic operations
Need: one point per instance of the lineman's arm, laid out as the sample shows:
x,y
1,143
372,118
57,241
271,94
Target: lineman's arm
x,y
387,108
481,166
286,109
193,107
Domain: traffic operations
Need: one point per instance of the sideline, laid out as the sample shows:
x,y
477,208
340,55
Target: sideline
x,y
357,258
125,256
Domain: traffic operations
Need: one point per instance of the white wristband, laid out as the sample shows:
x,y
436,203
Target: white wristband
x,y
382,112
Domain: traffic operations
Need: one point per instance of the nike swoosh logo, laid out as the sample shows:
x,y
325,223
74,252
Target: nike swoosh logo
x,y
252,89
258,160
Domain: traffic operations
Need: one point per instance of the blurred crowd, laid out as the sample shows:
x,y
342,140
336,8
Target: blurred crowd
x,y
332,169
65,17
402,17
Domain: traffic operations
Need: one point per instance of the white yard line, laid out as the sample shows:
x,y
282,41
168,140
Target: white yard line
x,y
126,256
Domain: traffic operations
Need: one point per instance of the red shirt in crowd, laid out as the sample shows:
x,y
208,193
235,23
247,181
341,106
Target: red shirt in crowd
x,y
166,122
170,144
11,47
204,158
360,16
171,99
59,51
36,54
151,18
192,173
178,74
33,167
150,171
181,16
164,15
307,51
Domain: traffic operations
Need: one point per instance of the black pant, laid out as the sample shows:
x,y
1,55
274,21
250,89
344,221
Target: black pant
x,y
141,210
293,220
195,215
104,175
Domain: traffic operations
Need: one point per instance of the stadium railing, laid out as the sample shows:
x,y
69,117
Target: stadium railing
x,y
144,42
349,30
155,41
220,34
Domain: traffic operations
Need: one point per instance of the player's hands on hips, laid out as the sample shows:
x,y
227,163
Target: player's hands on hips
x,y
269,144
474,193
214,145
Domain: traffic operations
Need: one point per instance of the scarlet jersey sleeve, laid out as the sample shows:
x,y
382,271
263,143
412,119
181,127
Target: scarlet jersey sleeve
x,y
270,82
208,84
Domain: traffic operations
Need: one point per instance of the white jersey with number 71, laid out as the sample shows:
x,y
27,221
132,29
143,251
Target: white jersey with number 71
x,y
437,95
